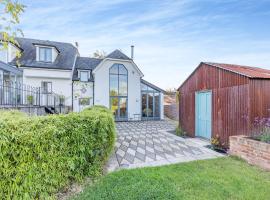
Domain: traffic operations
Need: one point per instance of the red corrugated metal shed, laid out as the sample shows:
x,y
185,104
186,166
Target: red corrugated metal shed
x,y
251,72
239,95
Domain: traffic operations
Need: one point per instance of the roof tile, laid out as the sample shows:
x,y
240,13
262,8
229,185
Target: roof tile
x,y
64,60
117,54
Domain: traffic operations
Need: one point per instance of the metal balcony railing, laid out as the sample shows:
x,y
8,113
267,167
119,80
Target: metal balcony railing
x,y
16,94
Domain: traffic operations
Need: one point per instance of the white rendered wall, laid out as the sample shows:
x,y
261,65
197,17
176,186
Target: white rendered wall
x,y
61,81
101,89
82,90
161,106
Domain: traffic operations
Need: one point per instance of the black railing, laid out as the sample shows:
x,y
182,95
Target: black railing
x,y
16,94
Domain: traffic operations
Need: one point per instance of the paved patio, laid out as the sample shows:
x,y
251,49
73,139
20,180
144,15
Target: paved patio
x,y
151,143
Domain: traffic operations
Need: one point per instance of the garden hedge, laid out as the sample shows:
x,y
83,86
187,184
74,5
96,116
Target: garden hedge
x,y
41,155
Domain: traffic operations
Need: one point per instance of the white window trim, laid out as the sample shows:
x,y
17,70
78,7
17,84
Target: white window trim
x,y
49,89
5,51
79,74
53,53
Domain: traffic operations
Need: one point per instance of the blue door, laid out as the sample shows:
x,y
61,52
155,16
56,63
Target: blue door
x,y
203,114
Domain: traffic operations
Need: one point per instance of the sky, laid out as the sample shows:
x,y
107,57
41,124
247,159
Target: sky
x,y
171,37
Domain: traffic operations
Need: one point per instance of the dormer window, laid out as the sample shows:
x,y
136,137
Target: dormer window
x,y
45,54
84,75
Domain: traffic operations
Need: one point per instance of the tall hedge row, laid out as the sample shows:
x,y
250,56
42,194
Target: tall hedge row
x,y
41,155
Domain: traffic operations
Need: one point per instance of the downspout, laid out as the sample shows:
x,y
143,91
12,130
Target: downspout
x,y
93,89
93,93
72,95
72,72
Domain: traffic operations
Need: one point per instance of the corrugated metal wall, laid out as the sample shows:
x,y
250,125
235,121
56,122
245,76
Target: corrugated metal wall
x,y
259,99
230,101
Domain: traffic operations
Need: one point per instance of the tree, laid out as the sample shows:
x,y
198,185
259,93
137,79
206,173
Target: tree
x,y
10,12
99,54
171,91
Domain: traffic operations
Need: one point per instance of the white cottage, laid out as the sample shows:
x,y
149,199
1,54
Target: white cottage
x,y
114,81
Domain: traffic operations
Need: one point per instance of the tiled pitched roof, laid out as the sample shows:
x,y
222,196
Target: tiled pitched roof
x,y
117,54
64,60
251,72
85,63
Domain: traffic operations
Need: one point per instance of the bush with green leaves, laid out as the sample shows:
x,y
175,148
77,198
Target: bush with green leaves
x,y
42,155
179,131
30,99
262,129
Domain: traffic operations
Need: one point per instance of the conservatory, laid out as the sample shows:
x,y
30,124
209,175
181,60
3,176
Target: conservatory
x,y
151,101
10,81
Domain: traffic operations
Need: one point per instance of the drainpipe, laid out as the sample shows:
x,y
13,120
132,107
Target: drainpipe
x,y
72,95
132,52
93,92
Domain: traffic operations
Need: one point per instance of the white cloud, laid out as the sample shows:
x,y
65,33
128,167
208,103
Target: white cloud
x,y
170,37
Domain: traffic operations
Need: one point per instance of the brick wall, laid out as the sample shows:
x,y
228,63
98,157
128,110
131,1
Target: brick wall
x,y
254,152
171,107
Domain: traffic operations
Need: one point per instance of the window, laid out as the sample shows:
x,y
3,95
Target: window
x,y
3,54
150,102
146,88
119,91
84,101
46,87
84,76
45,54
118,80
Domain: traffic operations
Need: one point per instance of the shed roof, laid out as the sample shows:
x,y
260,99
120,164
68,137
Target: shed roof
x,y
251,72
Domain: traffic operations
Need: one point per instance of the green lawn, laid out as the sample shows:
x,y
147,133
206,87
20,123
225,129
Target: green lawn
x,y
222,178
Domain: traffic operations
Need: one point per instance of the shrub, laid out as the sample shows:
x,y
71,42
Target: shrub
x,y
262,129
41,155
179,131
216,143
11,115
30,99
98,108
265,137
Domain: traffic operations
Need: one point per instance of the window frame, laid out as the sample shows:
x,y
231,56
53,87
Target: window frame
x,y
119,96
118,80
45,54
148,91
49,89
88,75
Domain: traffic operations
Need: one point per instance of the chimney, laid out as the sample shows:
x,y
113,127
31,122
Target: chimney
x,y
77,45
132,52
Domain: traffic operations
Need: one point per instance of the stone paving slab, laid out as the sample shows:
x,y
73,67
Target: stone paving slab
x,y
150,143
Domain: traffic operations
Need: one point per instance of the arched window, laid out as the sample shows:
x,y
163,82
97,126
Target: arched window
x,y
119,91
